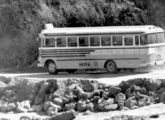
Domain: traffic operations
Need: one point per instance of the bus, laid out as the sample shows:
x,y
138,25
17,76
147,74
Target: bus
x,y
111,48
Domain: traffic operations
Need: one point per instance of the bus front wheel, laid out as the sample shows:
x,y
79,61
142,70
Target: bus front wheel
x,y
111,66
51,66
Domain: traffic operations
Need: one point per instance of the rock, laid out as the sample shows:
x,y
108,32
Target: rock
x,y
2,84
120,98
152,84
23,106
39,99
52,111
130,103
68,115
143,90
120,105
162,97
124,108
81,106
88,86
4,79
37,108
48,104
113,91
88,112
110,107
3,106
66,100
58,101
11,107
142,102
90,107
160,91
103,103
70,106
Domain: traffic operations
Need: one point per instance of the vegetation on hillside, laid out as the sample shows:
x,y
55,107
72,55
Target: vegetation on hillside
x,y
22,20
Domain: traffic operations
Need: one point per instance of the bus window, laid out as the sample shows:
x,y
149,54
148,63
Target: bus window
x,y
151,38
143,40
49,42
83,41
117,40
94,41
106,40
72,41
161,37
128,41
61,41
136,40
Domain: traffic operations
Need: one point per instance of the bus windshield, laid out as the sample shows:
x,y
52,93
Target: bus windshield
x,y
152,38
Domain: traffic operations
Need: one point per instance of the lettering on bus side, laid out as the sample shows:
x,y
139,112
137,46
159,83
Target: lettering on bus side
x,y
84,64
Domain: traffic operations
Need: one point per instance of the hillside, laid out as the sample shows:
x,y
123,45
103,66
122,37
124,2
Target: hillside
x,y
21,21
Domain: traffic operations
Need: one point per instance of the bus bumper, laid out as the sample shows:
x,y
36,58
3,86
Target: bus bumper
x,y
151,64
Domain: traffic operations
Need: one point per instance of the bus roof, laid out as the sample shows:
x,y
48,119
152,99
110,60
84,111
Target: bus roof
x,y
141,29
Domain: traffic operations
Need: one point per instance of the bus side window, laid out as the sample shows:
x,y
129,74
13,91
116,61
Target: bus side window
x,y
137,40
83,41
61,41
95,41
117,40
106,40
72,41
49,42
161,37
128,41
143,40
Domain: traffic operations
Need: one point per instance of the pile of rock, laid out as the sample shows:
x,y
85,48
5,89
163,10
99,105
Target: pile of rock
x,y
53,96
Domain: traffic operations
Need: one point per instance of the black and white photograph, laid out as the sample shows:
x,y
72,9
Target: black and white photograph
x,y
82,60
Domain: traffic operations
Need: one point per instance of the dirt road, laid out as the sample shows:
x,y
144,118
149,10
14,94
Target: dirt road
x,y
103,77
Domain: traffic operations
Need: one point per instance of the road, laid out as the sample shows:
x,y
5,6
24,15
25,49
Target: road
x,y
103,77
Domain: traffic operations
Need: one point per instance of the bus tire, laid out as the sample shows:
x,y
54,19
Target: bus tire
x,y
111,66
51,66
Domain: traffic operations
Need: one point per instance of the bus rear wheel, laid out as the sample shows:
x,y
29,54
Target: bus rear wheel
x,y
111,66
51,66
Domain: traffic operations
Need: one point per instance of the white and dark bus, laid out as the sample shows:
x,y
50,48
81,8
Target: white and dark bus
x,y
112,48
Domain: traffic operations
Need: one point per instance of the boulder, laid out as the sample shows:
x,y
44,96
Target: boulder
x,y
52,111
58,101
4,79
141,102
37,108
2,84
113,91
11,107
162,97
3,106
152,84
81,106
103,103
120,98
70,106
68,115
23,106
110,107
130,103
48,104
88,85
90,107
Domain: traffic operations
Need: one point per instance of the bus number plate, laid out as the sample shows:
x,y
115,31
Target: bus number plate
x,y
84,64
